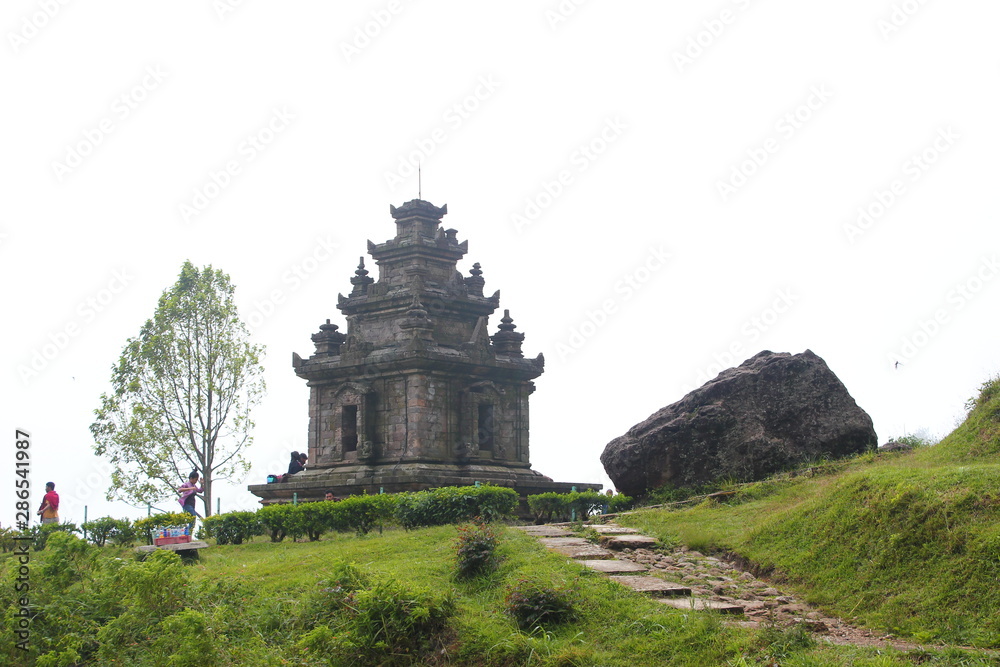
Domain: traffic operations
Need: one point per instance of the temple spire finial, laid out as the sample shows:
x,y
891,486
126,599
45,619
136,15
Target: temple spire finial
x,y
361,279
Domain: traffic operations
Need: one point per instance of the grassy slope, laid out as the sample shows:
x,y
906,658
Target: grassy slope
x,y
615,627
259,600
904,543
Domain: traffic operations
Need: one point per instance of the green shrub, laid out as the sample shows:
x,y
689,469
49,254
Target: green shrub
x,y
549,506
275,520
67,558
362,514
233,527
149,591
455,504
314,519
565,506
186,639
476,550
584,503
40,534
119,532
532,604
378,621
7,539
620,503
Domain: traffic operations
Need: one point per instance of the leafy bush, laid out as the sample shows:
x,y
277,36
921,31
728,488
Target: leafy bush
x,y
584,503
378,621
475,551
913,441
565,506
233,527
149,591
276,520
362,514
314,519
455,504
988,391
119,532
186,639
40,534
549,506
7,539
532,604
620,503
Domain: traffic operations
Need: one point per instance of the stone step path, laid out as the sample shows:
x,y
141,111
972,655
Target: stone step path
x,y
612,529
625,571
715,584
620,542
653,586
576,547
701,604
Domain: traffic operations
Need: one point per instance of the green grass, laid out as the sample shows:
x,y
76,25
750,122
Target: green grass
x,y
267,604
907,544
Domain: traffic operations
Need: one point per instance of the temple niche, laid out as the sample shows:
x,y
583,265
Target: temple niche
x,y
416,394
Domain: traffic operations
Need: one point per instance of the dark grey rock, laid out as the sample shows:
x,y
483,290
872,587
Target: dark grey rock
x,y
773,411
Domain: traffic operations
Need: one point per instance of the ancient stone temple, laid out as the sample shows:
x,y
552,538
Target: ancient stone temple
x,y
417,393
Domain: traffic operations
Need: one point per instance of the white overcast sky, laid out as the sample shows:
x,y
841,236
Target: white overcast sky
x,y
659,190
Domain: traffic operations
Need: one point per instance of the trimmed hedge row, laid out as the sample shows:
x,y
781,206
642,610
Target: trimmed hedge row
x,y
577,505
455,504
362,514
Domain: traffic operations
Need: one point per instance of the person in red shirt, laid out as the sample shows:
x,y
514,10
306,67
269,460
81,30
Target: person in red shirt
x,y
49,511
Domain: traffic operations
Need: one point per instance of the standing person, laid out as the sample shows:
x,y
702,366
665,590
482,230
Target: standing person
x,y
49,510
188,490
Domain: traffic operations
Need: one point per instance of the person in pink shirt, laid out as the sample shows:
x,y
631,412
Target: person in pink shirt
x,y
188,490
49,511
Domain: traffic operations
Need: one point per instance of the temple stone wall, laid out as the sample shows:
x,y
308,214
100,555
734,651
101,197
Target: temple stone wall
x,y
417,393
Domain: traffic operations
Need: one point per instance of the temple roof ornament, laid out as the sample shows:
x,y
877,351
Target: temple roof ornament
x,y
475,282
506,341
361,279
328,340
418,208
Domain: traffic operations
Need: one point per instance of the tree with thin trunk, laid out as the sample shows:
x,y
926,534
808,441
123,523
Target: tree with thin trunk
x,y
182,392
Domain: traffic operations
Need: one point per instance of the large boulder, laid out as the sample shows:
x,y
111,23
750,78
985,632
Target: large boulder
x,y
771,412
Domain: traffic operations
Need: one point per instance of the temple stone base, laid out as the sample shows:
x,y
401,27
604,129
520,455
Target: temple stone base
x,y
312,485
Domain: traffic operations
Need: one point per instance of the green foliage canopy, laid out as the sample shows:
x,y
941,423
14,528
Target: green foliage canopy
x,y
182,393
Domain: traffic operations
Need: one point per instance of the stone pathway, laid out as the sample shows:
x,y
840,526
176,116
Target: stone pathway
x,y
687,579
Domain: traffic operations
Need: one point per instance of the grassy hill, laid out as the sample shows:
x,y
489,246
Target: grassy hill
x,y
908,543
380,599
905,543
